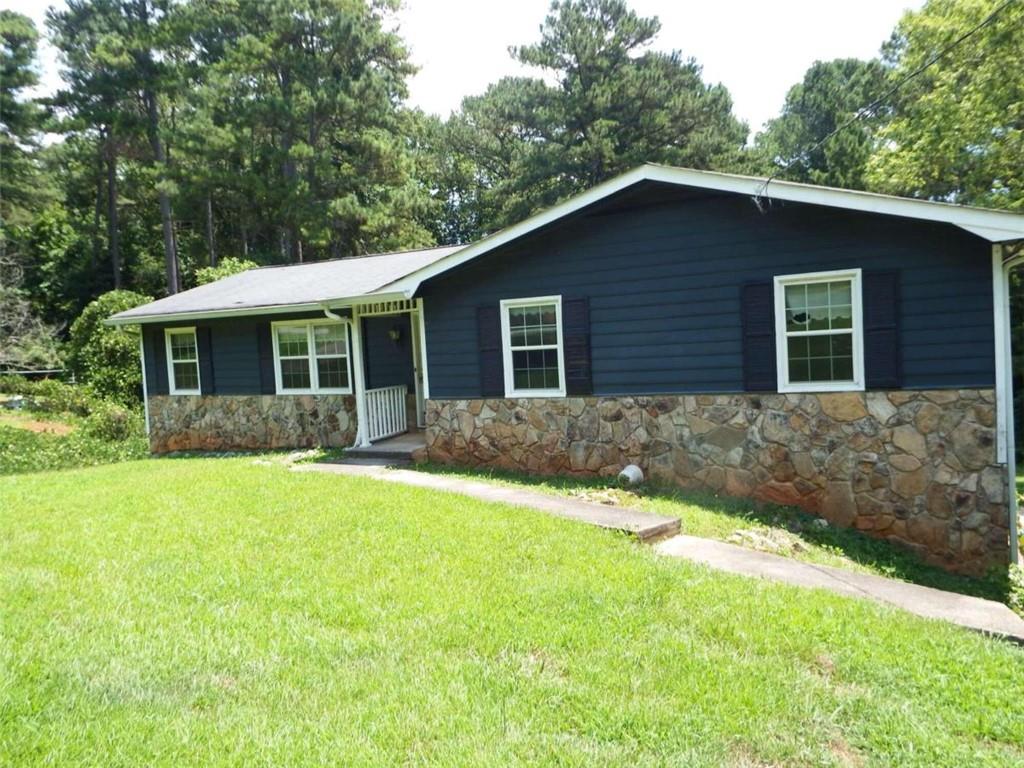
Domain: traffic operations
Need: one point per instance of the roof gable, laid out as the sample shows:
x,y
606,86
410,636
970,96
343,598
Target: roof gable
x,y
994,226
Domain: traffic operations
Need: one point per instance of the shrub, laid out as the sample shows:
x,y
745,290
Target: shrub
x,y
112,423
52,396
11,384
106,357
1016,595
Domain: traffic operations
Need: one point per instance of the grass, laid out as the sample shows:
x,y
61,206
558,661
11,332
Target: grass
x,y
781,530
218,612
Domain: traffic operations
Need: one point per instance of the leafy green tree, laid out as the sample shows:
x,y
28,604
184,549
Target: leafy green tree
x,y
226,268
20,120
614,104
106,357
308,93
957,131
829,95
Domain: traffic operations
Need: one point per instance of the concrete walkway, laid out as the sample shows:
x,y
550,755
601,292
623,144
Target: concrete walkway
x,y
643,525
975,613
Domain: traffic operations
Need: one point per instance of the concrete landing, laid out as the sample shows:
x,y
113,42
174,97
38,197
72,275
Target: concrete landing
x,y
392,450
985,616
645,526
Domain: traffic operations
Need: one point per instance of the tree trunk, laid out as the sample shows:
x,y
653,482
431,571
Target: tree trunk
x,y
211,246
245,241
144,60
97,214
113,233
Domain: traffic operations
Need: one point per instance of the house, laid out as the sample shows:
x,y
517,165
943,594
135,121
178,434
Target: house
x,y
841,351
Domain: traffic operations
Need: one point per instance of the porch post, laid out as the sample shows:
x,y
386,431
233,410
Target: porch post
x,y
358,378
145,387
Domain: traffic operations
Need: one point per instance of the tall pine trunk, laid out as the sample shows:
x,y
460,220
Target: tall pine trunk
x,y
166,215
113,227
211,245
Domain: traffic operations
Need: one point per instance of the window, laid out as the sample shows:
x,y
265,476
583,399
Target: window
x,y
532,346
818,332
182,361
312,357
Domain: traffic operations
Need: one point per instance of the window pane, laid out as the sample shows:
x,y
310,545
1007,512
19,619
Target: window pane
x,y
817,295
332,372
516,317
292,341
842,344
842,316
798,346
842,369
517,337
183,346
295,374
796,297
796,320
799,371
329,339
839,293
820,369
817,319
186,376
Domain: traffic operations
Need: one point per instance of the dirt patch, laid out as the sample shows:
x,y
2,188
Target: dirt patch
x,y
36,425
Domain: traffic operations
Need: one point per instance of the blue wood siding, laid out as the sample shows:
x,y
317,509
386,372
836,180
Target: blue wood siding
x,y
235,346
388,363
664,272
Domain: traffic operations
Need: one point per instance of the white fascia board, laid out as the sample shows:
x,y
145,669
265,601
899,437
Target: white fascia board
x,y
275,309
994,226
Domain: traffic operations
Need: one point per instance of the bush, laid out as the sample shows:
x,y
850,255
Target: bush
x,y
52,396
11,384
112,423
1016,592
105,357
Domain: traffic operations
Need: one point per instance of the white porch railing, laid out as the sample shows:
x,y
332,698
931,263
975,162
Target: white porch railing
x,y
385,412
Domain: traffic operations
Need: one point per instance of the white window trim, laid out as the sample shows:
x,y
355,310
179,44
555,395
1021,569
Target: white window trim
x,y
506,347
168,332
314,377
781,355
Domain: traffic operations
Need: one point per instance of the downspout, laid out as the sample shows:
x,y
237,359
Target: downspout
x,y
145,388
359,389
1006,448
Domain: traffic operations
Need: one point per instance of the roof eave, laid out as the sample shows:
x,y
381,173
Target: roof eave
x,y
270,309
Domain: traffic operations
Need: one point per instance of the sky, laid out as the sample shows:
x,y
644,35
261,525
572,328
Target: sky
x,y
757,49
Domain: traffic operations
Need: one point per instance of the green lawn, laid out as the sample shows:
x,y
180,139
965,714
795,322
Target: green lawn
x,y
220,612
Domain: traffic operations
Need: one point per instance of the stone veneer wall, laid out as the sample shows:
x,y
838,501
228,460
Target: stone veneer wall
x,y
915,467
250,422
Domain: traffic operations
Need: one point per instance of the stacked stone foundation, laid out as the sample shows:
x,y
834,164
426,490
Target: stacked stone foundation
x,y
250,422
917,468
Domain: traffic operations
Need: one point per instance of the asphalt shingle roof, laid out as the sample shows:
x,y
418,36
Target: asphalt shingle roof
x,y
293,284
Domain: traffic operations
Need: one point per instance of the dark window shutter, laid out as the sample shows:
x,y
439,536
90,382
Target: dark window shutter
x,y
492,373
759,364
881,301
266,350
204,346
576,339
159,362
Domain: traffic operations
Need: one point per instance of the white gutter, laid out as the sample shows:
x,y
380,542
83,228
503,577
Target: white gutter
x,y
270,309
1005,437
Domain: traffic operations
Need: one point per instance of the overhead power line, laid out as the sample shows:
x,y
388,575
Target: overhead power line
x,y
870,108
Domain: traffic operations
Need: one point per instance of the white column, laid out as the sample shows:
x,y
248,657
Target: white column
x,y
1005,438
145,389
359,380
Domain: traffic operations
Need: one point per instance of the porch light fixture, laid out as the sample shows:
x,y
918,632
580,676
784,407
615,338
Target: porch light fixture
x,y
395,333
